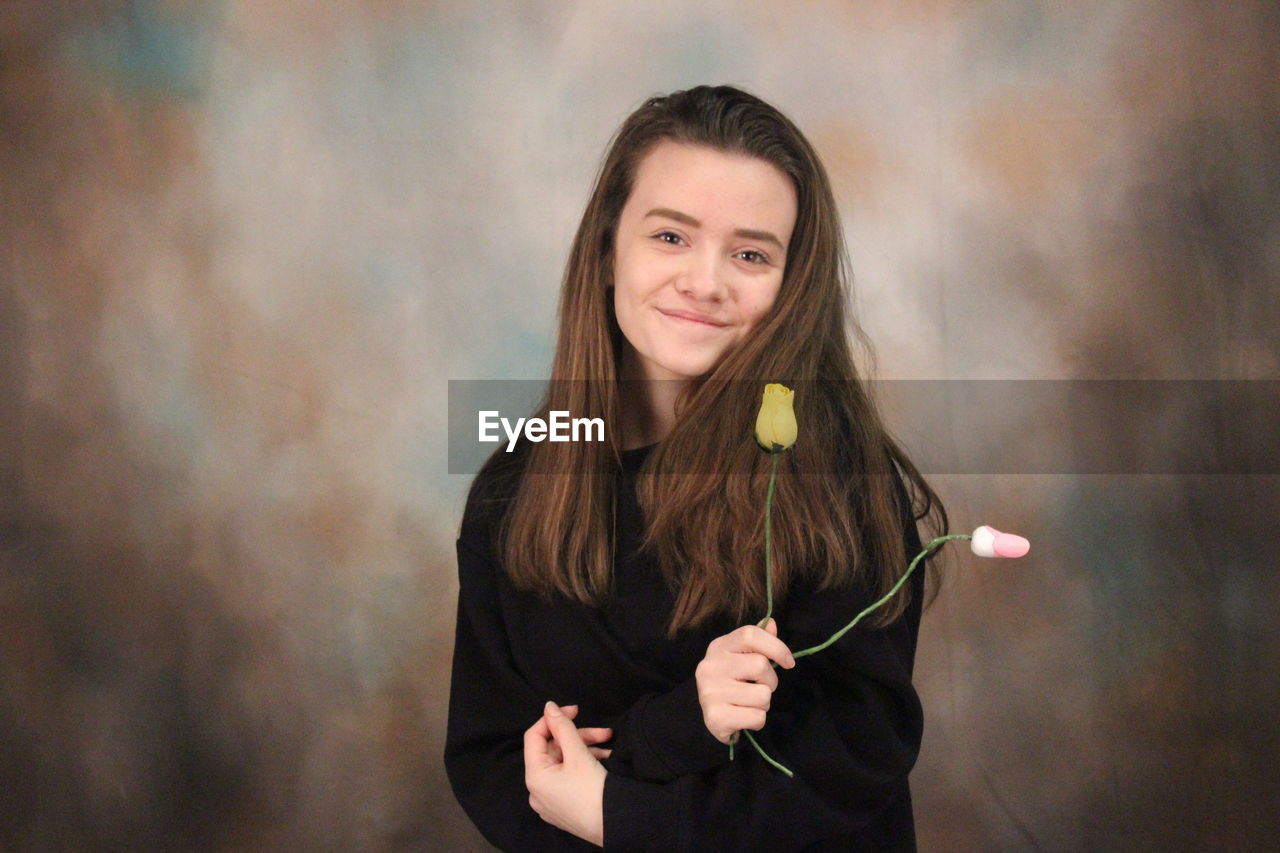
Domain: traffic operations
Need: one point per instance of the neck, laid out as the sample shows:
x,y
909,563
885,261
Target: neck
x,y
648,406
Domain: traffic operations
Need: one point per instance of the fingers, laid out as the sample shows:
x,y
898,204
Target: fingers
x,y
751,668
594,736
598,753
553,740
571,711
742,665
557,757
536,754
739,694
590,737
737,718
729,720
750,638
744,694
564,732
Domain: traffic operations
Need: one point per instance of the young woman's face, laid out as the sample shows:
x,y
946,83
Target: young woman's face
x,y
700,251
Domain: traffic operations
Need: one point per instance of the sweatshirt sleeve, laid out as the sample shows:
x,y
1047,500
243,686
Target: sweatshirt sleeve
x,y
663,737
490,708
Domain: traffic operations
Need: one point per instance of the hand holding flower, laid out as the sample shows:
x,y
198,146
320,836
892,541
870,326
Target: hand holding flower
x,y
736,679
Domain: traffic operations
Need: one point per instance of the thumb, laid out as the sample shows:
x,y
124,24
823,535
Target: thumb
x,y
565,733
772,626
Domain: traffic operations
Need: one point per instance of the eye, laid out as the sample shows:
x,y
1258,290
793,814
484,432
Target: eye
x,y
757,258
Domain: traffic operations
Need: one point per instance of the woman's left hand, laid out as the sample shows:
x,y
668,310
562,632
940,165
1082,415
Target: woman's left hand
x,y
565,781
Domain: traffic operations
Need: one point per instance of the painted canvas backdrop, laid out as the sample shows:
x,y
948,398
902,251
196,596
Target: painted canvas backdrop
x,y
246,246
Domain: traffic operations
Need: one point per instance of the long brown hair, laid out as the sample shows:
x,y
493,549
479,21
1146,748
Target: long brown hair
x,y
837,514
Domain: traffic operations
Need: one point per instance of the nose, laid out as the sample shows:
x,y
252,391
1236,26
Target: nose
x,y
703,280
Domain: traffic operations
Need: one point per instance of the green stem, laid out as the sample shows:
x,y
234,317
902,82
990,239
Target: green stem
x,y
759,749
765,755
768,591
768,540
932,546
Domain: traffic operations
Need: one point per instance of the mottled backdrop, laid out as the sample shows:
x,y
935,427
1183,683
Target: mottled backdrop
x,y
245,245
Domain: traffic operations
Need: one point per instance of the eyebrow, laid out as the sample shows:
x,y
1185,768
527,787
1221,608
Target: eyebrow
x,y
749,233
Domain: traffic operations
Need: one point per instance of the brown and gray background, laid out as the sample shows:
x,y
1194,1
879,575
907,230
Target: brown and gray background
x,y
247,245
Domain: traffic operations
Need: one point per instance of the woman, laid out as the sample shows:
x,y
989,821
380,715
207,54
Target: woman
x,y
607,648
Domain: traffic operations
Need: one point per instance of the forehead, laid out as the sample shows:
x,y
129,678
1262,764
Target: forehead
x,y
718,189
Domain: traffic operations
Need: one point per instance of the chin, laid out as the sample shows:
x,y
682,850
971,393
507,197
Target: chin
x,y
690,371
685,369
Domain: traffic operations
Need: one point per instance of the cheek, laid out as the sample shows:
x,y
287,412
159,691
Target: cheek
x,y
627,311
624,304
626,290
756,310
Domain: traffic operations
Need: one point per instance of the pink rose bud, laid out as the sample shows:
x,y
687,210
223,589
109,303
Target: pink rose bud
x,y
989,542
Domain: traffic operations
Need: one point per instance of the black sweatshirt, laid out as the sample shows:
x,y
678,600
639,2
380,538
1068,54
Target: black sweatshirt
x,y
845,720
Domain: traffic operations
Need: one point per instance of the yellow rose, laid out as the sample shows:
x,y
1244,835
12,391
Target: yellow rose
x,y
776,423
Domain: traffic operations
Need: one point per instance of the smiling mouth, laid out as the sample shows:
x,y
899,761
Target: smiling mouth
x,y
690,322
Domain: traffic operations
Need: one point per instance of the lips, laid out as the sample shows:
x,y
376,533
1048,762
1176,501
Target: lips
x,y
693,317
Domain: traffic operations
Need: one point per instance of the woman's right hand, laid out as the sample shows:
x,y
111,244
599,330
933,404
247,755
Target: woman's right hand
x,y
736,678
